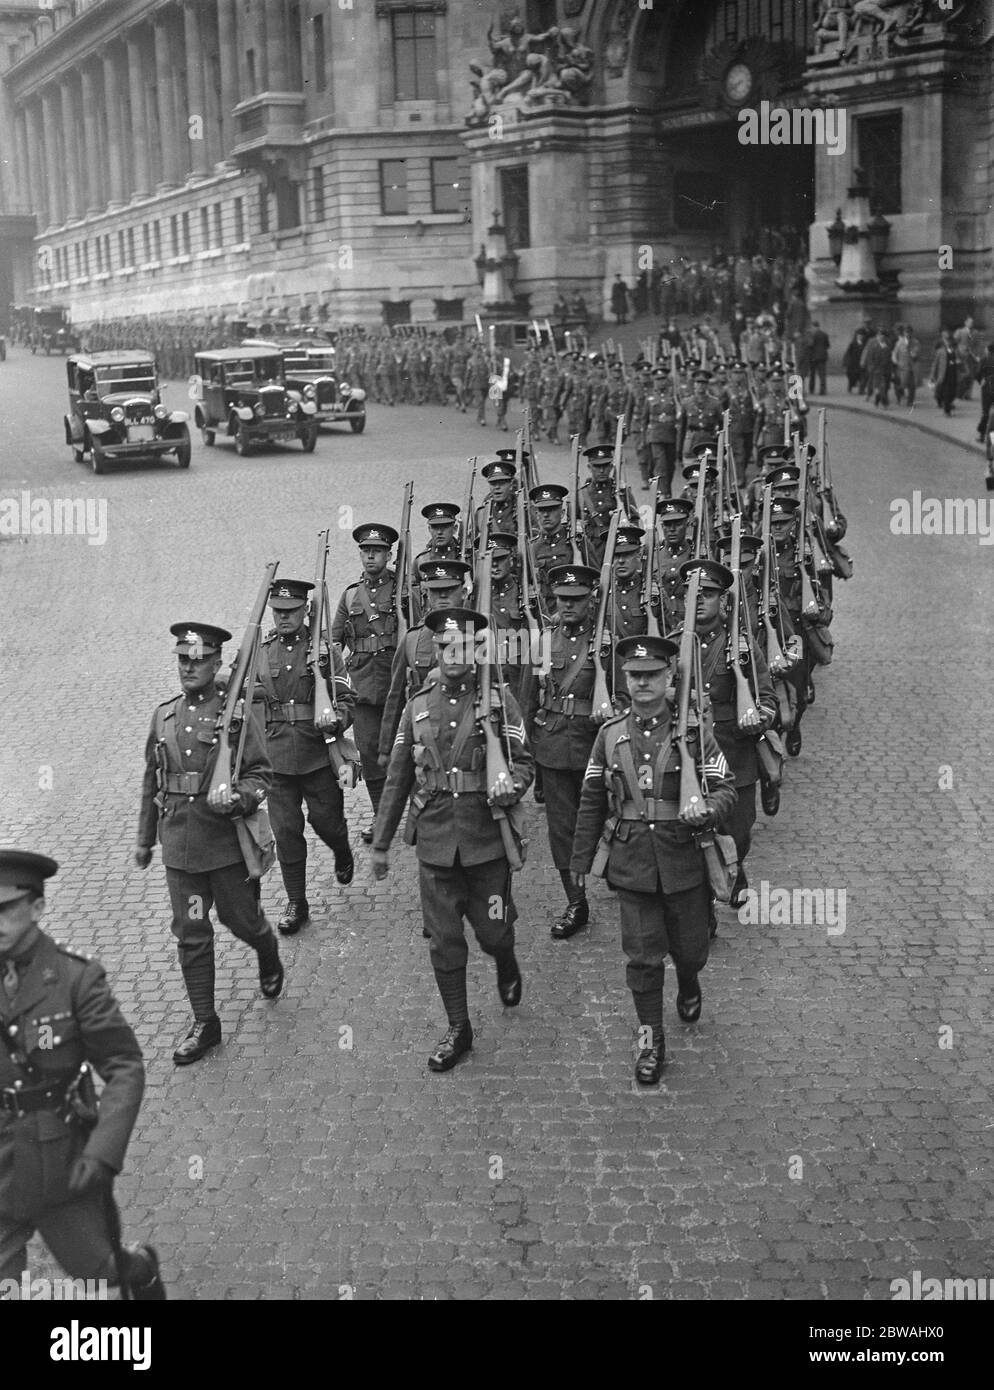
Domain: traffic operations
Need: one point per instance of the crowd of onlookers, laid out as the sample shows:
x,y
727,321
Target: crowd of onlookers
x,y
878,360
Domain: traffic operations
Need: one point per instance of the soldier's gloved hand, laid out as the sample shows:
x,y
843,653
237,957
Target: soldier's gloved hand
x,y
143,856
327,723
698,814
90,1175
503,792
223,800
602,713
380,861
751,720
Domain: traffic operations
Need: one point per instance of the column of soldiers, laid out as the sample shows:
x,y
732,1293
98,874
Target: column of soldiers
x,y
670,658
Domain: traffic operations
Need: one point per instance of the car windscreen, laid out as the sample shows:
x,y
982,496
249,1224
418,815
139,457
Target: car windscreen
x,y
268,369
321,361
137,377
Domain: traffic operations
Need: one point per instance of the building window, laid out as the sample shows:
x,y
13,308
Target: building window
x,y
108,254
294,47
157,240
414,61
449,310
514,199
699,200
99,249
185,230
393,186
263,209
131,246
218,233
445,190
879,139
239,221
121,252
394,313
317,192
250,65
146,242
320,57
205,228
287,204
174,235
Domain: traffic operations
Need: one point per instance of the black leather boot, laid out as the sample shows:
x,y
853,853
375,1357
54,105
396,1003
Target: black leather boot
x,y
144,1282
577,915
270,968
296,914
457,1041
204,1035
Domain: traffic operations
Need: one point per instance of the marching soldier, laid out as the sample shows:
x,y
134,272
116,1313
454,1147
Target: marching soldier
x,y
662,421
673,553
769,416
741,422
439,754
627,613
638,394
703,415
196,828
554,545
500,503
576,398
736,738
444,584
59,1149
598,499
749,548
506,608
783,530
563,728
295,741
442,545
366,624
657,866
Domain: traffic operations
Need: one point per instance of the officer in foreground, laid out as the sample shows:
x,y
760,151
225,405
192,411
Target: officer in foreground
x,y
59,1150
440,755
650,856
200,846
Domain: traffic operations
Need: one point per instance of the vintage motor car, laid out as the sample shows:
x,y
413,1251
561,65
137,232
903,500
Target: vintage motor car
x,y
116,411
242,393
309,367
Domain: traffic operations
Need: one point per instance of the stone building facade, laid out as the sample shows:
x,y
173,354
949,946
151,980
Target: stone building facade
x,y
315,157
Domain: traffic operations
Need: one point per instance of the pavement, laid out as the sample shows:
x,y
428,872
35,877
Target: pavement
x,y
822,1132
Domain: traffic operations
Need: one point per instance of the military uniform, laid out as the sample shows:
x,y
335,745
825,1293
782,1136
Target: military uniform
x,y
703,418
440,755
298,751
626,612
59,1149
365,625
201,851
503,515
551,548
653,860
741,427
598,499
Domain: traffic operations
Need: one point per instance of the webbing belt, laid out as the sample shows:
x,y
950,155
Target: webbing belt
x,y
187,783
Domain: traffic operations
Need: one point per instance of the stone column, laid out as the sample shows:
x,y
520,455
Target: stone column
x,y
71,157
212,77
141,183
227,48
276,55
115,134
259,44
92,165
38,165
165,98
21,164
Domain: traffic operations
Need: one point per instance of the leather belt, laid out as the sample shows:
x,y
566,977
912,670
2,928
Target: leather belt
x,y
568,705
185,783
653,809
455,781
27,1099
370,644
291,714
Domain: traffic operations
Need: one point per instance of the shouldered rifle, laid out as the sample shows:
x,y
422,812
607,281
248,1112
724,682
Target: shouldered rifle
x,y
238,697
579,529
779,657
836,528
531,606
810,605
619,466
467,537
650,582
601,698
491,714
746,694
342,752
751,385
702,546
690,786
404,597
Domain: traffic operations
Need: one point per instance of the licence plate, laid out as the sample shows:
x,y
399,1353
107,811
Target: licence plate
x,y
139,434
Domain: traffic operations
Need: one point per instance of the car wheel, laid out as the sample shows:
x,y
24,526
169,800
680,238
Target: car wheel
x,y
358,423
78,454
98,459
243,445
183,449
207,436
308,439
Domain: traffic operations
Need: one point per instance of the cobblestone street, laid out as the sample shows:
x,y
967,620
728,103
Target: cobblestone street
x,y
823,1131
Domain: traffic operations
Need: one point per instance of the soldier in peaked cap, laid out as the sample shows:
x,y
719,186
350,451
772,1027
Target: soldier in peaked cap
x,y
662,417
297,747
444,583
563,726
365,626
554,545
598,499
737,737
674,550
628,617
703,414
59,1150
440,755
500,504
648,850
507,609
441,518
196,827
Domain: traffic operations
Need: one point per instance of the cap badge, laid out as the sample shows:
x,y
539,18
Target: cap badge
x,y
640,651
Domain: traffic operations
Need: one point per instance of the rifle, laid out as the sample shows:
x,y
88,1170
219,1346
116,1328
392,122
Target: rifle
x,y
406,606
618,465
342,752
746,695
486,709
779,658
241,685
649,578
810,605
601,698
701,541
466,536
690,787
530,605
579,538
